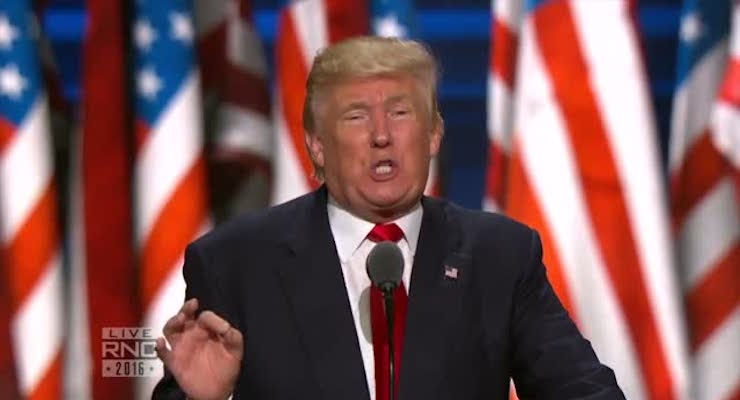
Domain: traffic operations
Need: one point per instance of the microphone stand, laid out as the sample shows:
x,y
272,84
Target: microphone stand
x,y
388,299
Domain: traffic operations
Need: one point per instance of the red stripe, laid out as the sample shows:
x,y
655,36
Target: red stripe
x,y
50,385
712,301
496,174
736,394
730,89
8,382
141,134
701,169
559,44
32,248
346,19
176,225
106,191
291,77
503,52
523,204
6,134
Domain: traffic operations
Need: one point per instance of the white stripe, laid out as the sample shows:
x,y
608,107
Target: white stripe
x,y
619,86
309,19
172,148
164,305
290,180
508,12
25,169
77,367
725,132
245,130
716,363
37,327
500,111
709,232
693,103
548,162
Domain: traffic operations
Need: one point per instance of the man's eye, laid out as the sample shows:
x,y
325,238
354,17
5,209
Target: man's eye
x,y
400,112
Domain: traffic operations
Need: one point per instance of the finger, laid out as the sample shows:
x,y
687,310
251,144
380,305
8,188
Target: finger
x,y
174,325
190,307
213,323
163,353
234,341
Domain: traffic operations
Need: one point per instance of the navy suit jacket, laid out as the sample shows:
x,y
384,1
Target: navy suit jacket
x,y
277,278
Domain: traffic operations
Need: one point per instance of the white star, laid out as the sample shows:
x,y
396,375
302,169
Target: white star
x,y
388,26
144,34
182,28
691,28
12,82
148,83
7,32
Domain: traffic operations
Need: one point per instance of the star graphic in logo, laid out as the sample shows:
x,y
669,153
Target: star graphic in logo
x,y
182,27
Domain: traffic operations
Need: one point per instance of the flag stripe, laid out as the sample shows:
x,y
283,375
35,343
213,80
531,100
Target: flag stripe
x,y
176,226
700,170
504,52
291,80
711,302
603,192
32,248
715,362
701,244
730,89
26,168
523,205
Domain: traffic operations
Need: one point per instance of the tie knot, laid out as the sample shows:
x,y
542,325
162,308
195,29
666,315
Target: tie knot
x,y
385,232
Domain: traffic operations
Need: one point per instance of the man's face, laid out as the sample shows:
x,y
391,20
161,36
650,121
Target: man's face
x,y
374,138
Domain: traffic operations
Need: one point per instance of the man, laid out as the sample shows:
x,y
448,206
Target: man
x,y
285,291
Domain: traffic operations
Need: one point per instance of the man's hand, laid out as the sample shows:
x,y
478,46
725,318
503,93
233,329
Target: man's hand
x,y
205,354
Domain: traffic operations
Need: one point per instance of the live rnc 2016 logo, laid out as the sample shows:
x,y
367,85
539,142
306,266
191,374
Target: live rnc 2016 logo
x,y
130,352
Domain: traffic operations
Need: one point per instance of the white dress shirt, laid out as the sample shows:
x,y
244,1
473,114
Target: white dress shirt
x,y
350,238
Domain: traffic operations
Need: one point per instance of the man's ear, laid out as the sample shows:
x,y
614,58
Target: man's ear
x,y
315,148
435,140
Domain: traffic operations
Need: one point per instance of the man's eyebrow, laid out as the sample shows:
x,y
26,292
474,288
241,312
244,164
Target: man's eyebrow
x,y
355,105
397,98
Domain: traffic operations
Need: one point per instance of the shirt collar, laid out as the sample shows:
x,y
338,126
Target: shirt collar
x,y
350,230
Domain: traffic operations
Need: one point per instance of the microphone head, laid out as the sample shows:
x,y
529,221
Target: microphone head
x,y
385,265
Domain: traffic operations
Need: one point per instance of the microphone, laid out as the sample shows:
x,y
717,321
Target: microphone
x,y
385,267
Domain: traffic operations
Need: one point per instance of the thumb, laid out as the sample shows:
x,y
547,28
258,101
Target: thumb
x,y
163,353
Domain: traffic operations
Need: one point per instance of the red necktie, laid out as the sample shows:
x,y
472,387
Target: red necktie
x,y
378,322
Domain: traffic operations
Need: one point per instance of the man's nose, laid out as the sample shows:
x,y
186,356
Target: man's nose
x,y
381,136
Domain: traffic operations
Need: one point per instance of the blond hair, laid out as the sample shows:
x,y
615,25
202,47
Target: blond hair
x,y
366,57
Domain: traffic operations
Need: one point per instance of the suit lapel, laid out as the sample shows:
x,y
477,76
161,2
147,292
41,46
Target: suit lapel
x,y
312,281
438,280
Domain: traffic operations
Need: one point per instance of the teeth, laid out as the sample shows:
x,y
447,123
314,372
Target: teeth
x,y
383,169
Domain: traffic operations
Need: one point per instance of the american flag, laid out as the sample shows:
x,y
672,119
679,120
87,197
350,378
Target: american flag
x,y
396,18
237,105
704,157
305,26
169,172
583,169
28,214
